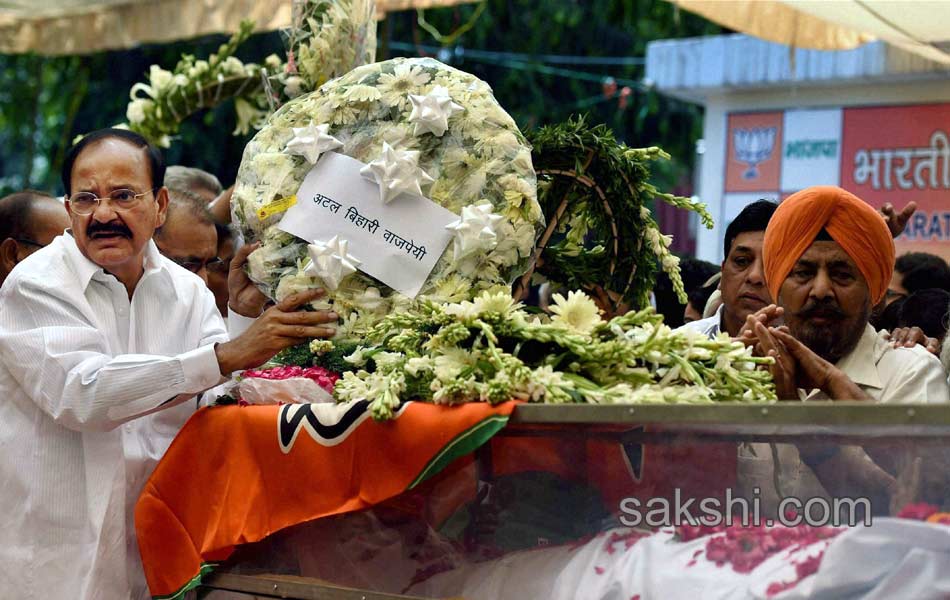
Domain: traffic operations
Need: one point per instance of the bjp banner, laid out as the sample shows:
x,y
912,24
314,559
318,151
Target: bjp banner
x,y
235,475
898,154
753,152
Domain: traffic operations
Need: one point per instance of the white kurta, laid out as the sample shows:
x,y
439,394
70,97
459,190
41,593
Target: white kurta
x,y
93,387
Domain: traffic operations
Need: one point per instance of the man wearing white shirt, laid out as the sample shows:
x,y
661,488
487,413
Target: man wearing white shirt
x,y
743,281
103,341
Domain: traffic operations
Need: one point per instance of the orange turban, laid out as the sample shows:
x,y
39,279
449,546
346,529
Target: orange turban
x,y
851,222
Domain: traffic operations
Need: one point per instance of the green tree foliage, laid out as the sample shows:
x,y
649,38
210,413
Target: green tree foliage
x,y
46,101
543,90
79,94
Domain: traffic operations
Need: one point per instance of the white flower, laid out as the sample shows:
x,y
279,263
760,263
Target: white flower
x,y
275,169
548,385
522,163
199,69
387,361
577,312
362,93
248,116
417,365
451,289
521,197
670,262
498,302
500,144
405,79
135,112
159,78
293,87
273,63
370,300
464,310
321,346
357,358
232,66
451,362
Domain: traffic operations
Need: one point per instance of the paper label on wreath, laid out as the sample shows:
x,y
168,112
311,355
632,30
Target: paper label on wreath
x,y
397,243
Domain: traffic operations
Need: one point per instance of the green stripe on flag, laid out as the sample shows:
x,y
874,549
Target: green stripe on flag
x,y
192,584
464,443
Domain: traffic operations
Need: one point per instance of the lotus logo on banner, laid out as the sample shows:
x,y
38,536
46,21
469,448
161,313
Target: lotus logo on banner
x,y
753,146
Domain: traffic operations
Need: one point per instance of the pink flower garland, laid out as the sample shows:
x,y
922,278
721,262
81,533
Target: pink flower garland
x,y
324,378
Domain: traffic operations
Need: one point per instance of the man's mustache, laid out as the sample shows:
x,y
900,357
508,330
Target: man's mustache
x,y
108,228
823,310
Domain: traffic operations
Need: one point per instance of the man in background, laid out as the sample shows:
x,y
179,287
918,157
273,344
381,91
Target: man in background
x,y
742,284
189,236
917,271
204,186
29,220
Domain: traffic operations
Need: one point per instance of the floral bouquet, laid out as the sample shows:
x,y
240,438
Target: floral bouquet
x,y
451,142
492,350
327,39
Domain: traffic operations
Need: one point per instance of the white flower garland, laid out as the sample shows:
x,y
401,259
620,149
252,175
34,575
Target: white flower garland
x,y
491,350
420,126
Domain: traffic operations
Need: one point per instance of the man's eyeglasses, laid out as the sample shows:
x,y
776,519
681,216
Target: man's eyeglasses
x,y
85,203
195,266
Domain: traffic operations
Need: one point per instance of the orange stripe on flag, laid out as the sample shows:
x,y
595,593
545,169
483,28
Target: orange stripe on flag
x,y
235,475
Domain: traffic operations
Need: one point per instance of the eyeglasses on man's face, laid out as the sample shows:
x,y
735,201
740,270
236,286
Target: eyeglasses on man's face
x,y
195,266
85,203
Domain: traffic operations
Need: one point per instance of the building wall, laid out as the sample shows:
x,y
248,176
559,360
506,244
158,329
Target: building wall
x,y
718,106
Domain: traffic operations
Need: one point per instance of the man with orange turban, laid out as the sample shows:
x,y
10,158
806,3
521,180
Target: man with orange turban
x,y
828,258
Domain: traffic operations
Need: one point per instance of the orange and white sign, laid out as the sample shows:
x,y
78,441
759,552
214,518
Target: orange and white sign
x,y
753,152
882,154
897,154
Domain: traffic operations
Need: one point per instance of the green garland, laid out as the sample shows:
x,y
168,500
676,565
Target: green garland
x,y
594,194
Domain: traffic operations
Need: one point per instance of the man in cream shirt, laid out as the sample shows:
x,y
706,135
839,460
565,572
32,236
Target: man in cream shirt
x,y
104,344
828,258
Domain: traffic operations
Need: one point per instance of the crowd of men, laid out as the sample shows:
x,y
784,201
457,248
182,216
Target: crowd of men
x,y
121,304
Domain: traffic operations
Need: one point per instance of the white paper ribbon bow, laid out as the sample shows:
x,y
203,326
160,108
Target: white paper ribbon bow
x,y
312,141
475,230
431,112
397,172
330,262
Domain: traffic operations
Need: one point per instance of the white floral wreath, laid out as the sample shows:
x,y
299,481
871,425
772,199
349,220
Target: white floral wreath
x,y
461,149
